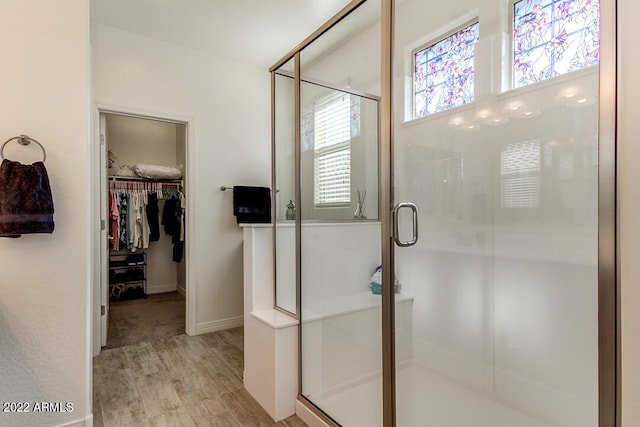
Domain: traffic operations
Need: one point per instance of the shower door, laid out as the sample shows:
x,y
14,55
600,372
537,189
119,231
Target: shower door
x,y
496,145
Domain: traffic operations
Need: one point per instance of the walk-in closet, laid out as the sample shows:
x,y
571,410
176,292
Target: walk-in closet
x,y
144,198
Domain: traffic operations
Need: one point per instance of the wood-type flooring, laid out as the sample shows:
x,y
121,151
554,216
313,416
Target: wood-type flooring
x,y
177,381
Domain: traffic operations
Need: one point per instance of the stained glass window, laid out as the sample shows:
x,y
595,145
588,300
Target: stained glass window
x,y
553,37
443,74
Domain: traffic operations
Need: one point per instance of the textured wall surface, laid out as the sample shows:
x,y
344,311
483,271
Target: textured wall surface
x,y
44,317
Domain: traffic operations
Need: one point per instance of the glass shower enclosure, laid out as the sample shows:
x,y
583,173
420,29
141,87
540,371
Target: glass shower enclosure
x,y
442,213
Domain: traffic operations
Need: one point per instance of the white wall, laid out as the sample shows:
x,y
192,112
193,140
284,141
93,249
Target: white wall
x,y
136,140
44,307
227,104
629,204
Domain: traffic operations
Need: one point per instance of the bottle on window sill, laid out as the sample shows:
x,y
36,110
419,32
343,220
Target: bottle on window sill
x,y
291,210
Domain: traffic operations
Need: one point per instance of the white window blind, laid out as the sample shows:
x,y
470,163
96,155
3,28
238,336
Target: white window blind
x,y
332,145
520,167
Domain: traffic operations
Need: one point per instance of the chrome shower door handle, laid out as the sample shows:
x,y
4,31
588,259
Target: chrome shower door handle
x,y
396,232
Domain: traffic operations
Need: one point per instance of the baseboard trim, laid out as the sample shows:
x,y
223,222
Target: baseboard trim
x,y
161,289
219,325
182,291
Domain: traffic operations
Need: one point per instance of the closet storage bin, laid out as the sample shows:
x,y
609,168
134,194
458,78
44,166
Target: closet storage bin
x,y
127,275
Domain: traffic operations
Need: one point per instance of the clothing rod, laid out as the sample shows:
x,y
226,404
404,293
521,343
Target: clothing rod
x,y
134,179
127,184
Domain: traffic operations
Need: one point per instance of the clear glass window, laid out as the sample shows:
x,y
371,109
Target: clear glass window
x,y
336,119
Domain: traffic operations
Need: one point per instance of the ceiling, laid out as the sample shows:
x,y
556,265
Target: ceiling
x,y
258,32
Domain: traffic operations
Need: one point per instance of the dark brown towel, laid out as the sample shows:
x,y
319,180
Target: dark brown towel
x,y
26,205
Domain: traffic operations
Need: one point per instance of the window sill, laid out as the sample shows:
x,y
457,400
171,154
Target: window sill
x,y
440,114
333,206
508,94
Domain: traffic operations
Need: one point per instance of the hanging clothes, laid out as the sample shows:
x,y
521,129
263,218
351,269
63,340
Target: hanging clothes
x,y
182,216
124,230
139,223
114,221
178,240
144,222
169,219
133,217
178,251
131,220
173,221
152,217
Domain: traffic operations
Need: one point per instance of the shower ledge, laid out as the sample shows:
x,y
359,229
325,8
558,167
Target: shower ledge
x,y
318,310
274,318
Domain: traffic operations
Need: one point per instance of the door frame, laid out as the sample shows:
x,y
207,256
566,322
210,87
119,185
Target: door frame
x,y
98,193
609,312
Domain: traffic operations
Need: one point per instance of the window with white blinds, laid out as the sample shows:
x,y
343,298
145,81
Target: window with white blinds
x,y
332,148
520,169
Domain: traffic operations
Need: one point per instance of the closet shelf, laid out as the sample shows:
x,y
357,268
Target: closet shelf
x,y
113,265
133,178
131,271
129,282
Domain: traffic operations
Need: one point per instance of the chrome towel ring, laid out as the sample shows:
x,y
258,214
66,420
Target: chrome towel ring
x,y
23,140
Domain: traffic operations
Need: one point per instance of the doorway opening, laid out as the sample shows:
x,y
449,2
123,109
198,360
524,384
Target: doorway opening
x,y
143,193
